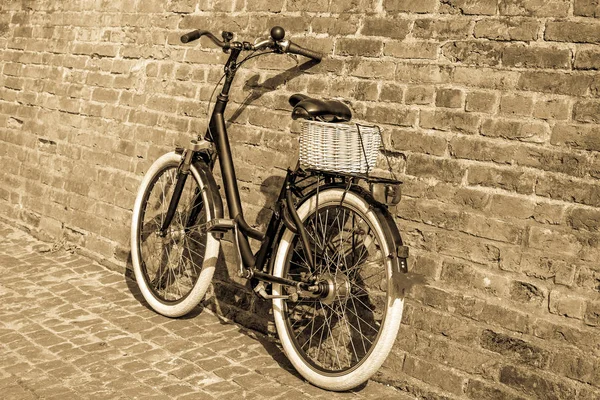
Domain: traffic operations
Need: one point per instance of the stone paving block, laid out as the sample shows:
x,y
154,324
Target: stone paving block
x,y
220,388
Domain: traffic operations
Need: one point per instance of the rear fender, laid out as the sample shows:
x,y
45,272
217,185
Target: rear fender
x,y
398,251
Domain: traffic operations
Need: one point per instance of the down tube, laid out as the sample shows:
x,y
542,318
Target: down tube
x,y
232,194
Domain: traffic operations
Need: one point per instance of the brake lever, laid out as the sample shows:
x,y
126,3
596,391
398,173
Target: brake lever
x,y
259,44
283,45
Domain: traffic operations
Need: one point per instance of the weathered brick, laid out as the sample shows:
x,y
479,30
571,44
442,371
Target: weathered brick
x,y
563,332
538,8
510,206
563,303
592,313
481,149
594,167
578,137
587,111
439,168
490,228
427,28
105,95
358,47
553,240
569,189
307,5
587,59
479,101
416,50
536,57
473,52
534,384
447,120
416,141
421,73
514,348
577,366
486,78
448,379
368,91
391,92
595,87
587,278
516,130
264,5
419,95
555,83
572,31
529,293
449,97
516,104
413,6
540,267
588,393
551,109
395,28
584,218
508,179
525,29
391,115
483,390
485,7
586,8
372,69
343,24
463,275
429,213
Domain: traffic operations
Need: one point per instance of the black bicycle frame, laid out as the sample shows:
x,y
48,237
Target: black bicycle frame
x,y
217,133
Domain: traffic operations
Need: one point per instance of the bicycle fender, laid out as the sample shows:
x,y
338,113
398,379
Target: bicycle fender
x,y
392,235
402,281
214,197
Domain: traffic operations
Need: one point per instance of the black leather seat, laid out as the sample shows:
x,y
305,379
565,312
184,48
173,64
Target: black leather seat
x,y
315,109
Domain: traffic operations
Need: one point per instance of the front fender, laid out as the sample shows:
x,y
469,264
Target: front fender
x,y
215,203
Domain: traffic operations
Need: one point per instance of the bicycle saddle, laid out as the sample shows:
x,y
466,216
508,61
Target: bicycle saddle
x,y
327,110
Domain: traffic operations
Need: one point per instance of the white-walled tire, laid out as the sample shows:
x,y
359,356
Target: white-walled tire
x,y
173,270
338,341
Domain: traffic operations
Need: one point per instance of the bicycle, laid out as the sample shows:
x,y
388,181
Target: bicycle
x,y
331,258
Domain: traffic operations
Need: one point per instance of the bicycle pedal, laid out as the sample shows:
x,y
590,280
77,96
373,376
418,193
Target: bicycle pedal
x,y
220,225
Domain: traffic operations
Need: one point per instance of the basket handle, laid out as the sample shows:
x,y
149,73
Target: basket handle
x,y
362,145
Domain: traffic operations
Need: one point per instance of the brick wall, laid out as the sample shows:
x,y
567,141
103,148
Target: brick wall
x,y
491,112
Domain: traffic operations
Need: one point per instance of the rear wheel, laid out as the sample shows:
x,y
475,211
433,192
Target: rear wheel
x,y
339,338
173,268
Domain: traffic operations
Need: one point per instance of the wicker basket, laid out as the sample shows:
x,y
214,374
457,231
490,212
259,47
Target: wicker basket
x,y
339,147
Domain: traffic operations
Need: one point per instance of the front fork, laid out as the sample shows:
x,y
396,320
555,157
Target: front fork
x,y
182,174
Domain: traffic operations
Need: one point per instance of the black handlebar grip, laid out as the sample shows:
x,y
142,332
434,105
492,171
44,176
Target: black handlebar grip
x,y
295,49
191,36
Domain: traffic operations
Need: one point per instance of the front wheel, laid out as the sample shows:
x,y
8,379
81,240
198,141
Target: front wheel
x,y
339,338
173,268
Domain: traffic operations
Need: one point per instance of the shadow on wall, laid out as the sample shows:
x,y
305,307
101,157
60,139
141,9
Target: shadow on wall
x,y
258,89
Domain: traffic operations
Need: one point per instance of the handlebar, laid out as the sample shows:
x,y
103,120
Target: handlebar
x,y
197,34
295,49
275,42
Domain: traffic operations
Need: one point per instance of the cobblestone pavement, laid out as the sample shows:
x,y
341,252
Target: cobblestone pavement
x,y
71,328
